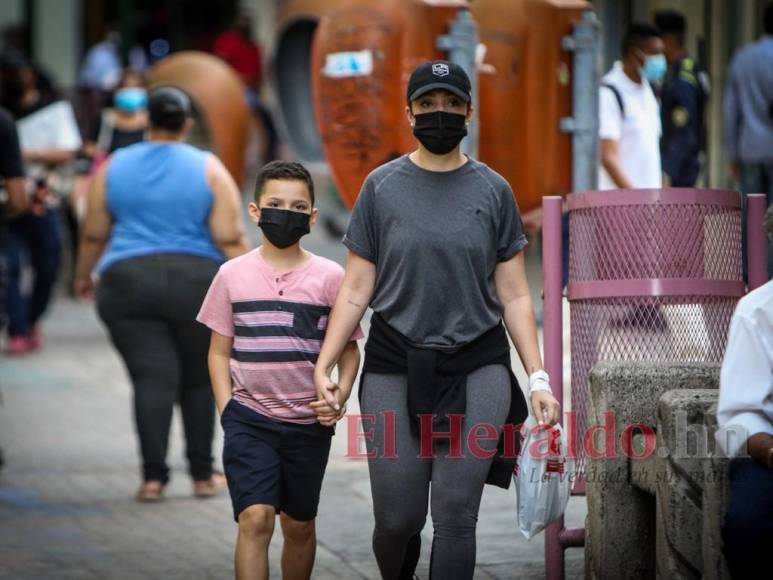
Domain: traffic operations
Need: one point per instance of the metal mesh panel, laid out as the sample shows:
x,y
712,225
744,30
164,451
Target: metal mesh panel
x,y
693,241
655,241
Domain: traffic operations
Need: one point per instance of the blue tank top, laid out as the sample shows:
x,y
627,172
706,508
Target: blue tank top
x,y
159,199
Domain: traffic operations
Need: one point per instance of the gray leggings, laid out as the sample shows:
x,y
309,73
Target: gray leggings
x,y
400,485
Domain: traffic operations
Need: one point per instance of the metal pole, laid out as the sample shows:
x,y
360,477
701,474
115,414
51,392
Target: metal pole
x,y
584,122
756,240
461,44
553,341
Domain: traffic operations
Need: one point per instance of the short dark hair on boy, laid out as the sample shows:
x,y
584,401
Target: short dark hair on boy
x,y
290,170
637,35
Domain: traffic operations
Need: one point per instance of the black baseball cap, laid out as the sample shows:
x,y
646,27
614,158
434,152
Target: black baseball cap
x,y
439,75
168,107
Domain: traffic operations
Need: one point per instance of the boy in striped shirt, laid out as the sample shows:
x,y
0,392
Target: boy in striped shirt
x,y
268,312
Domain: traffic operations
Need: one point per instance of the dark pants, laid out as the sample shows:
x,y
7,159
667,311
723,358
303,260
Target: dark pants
x,y
40,239
756,178
149,305
273,462
748,530
688,173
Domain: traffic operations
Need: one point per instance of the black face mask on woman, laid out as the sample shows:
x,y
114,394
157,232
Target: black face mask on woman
x,y
283,227
440,131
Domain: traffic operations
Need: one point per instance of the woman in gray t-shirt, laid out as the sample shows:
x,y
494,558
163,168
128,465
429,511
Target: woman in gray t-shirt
x,y
435,244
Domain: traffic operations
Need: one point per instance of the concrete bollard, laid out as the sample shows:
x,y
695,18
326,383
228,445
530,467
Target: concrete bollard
x,y
657,516
691,487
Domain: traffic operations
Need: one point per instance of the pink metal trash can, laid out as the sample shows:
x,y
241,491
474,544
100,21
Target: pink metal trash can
x,y
653,275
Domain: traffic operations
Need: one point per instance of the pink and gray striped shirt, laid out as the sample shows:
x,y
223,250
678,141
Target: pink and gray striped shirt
x,y
277,321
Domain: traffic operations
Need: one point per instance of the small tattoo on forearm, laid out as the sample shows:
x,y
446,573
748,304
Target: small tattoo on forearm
x,y
354,304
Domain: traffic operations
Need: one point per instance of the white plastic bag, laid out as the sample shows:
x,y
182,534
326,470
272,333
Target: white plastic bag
x,y
542,478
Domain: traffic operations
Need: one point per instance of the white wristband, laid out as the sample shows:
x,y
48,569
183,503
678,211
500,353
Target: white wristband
x,y
539,381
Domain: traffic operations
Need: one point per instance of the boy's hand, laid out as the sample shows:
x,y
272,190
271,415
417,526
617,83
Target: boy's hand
x,y
326,415
327,390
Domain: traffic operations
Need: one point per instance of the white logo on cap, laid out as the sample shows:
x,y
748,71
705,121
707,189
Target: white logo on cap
x,y
440,70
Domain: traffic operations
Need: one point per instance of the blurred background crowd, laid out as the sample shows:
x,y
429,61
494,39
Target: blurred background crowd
x,y
685,93
75,74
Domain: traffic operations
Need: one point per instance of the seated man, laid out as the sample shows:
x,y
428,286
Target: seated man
x,y
745,417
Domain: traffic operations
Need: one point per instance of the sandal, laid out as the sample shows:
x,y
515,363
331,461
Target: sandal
x,y
151,491
210,487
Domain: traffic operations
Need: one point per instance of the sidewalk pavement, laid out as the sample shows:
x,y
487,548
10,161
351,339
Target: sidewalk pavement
x,y
71,469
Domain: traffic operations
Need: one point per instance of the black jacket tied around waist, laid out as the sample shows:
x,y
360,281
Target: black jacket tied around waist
x,y
437,380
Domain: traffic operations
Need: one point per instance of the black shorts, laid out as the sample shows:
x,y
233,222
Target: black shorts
x,y
273,462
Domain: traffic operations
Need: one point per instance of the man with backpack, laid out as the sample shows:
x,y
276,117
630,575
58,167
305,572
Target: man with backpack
x,y
629,114
629,132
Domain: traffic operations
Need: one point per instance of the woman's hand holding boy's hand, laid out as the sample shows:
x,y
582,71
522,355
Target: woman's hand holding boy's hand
x,y
330,405
326,389
326,415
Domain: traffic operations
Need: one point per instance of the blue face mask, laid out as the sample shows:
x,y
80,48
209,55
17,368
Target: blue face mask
x,y
131,99
655,68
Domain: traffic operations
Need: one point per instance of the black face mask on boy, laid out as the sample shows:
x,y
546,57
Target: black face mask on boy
x,y
283,227
440,131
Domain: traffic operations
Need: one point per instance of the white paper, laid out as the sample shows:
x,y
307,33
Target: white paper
x,y
348,64
52,127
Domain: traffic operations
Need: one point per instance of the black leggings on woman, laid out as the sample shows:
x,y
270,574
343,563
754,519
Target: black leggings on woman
x,y
400,485
149,305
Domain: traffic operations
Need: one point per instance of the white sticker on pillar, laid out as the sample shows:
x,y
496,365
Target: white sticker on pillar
x,y
348,64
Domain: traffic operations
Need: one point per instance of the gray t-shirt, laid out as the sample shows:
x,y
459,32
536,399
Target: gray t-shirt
x,y
435,238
